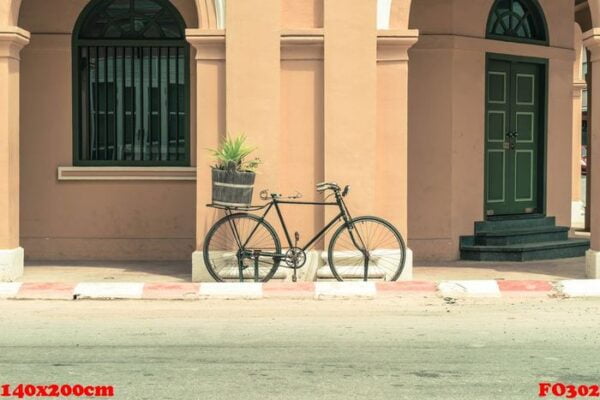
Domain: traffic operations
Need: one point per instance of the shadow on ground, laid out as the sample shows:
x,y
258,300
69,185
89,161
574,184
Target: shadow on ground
x,y
180,271
109,271
570,268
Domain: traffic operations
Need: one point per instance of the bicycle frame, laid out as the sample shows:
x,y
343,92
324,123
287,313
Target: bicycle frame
x,y
295,257
275,202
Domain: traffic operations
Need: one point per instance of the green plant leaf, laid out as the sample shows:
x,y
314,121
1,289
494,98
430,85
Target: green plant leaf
x,y
231,155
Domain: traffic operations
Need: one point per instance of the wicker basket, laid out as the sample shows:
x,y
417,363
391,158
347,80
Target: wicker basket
x,y
232,188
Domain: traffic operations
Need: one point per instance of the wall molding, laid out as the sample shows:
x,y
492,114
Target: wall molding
x,y
393,45
12,40
126,173
302,44
482,45
209,43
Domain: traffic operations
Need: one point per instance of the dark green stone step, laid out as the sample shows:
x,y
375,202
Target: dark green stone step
x,y
519,236
525,252
514,224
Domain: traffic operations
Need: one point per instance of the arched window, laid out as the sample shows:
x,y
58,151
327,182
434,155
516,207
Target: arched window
x,y
517,20
130,84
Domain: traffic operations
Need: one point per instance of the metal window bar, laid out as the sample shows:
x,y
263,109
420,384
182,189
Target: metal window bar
x,y
105,111
177,99
96,138
139,110
141,89
132,111
84,107
121,155
168,107
114,104
159,110
150,139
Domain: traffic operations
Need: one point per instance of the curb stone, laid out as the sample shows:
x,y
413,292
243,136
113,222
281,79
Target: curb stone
x,y
300,290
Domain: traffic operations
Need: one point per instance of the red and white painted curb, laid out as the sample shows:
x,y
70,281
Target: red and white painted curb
x,y
303,290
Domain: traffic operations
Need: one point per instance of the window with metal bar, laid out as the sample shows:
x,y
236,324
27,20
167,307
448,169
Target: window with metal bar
x,y
131,84
517,20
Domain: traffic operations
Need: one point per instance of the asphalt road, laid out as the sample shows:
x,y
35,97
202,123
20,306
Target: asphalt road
x,y
266,349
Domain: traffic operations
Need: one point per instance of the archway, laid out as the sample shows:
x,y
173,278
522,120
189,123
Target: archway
x,y
209,12
515,114
46,81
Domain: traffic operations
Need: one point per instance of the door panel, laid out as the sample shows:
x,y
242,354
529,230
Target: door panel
x,y
514,108
524,181
497,125
497,190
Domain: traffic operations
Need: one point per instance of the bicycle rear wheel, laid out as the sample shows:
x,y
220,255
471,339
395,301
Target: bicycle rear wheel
x,y
367,248
230,244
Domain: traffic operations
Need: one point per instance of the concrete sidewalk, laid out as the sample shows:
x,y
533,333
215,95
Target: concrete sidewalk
x,y
180,271
171,281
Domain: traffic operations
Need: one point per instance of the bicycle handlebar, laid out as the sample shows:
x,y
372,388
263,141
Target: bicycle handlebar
x,y
321,187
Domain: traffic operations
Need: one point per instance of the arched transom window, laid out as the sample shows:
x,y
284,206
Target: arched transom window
x,y
131,84
517,20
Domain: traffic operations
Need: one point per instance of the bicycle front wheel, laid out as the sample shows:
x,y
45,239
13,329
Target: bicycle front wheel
x,y
367,248
233,244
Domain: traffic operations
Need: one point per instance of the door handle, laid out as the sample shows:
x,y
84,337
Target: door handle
x,y
513,139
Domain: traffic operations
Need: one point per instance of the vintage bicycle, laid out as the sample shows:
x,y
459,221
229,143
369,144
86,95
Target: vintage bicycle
x,y
244,246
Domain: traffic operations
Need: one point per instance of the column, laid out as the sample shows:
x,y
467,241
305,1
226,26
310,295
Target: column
x,y
588,191
209,46
577,215
253,47
592,42
350,100
12,40
238,93
391,175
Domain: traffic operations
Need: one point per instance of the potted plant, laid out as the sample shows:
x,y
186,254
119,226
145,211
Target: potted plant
x,y
233,174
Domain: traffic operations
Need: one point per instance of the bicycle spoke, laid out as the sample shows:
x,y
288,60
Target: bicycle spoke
x,y
384,247
223,254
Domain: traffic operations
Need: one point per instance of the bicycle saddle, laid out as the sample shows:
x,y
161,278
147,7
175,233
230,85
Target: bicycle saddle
x,y
266,195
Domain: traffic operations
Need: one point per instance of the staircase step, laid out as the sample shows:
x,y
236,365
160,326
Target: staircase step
x,y
514,224
526,251
521,236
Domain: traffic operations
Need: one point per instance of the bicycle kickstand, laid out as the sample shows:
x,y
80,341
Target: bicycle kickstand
x,y
295,275
256,255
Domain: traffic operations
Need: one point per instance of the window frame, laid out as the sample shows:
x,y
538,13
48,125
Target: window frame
x,y
77,44
533,6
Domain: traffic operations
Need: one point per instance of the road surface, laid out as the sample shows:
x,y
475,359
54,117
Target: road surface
x,y
336,349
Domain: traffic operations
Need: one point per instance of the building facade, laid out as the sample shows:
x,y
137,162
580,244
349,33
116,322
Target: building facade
x,y
439,113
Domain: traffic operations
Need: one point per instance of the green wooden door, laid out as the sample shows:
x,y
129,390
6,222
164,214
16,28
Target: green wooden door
x,y
513,137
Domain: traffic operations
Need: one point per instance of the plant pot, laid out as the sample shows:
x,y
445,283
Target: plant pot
x,y
232,188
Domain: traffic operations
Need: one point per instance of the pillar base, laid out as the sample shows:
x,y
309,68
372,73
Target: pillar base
x,y
11,264
592,264
199,271
308,273
407,272
577,214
